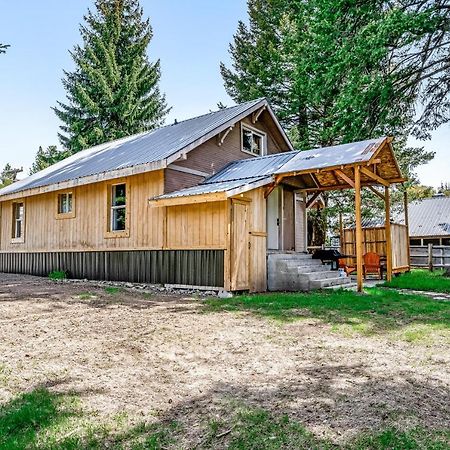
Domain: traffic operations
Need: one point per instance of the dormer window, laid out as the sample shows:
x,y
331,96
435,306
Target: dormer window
x,y
253,141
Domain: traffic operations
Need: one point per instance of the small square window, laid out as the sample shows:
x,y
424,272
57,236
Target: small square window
x,y
65,203
252,141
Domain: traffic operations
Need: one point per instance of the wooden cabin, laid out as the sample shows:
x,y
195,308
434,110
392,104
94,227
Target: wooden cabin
x,y
203,202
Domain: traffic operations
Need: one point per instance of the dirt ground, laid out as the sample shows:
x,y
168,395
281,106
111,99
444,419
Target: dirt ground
x,y
164,357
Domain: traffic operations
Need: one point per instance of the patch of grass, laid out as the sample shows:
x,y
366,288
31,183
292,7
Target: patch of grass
x,y
86,295
392,438
44,420
421,280
57,275
112,290
256,429
376,311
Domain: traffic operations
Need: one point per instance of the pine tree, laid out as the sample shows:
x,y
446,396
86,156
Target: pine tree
x,y
113,92
8,175
45,158
334,71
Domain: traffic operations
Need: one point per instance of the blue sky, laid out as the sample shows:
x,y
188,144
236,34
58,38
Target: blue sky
x,y
190,38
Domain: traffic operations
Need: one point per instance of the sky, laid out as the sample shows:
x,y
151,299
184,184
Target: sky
x,y
191,38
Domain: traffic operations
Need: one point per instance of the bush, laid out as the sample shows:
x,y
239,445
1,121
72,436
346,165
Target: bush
x,y
58,275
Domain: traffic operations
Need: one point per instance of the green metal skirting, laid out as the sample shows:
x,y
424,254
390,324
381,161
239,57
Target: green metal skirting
x,y
188,267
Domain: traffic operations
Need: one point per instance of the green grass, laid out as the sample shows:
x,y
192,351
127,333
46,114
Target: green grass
x,y
376,311
44,420
421,280
112,290
57,275
86,295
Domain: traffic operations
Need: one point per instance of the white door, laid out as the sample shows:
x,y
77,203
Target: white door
x,y
273,219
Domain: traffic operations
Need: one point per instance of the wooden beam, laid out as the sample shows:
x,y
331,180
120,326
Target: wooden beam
x,y
374,176
387,228
358,230
312,199
378,193
256,114
269,189
188,200
405,207
342,175
222,136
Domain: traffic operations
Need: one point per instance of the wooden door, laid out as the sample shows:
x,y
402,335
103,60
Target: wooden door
x,y
239,245
273,219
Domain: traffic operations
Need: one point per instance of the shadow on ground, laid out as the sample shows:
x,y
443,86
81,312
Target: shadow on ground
x,y
334,407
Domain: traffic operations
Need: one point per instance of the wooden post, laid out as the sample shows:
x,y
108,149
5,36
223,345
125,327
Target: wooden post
x,y
405,208
387,228
358,230
341,233
430,257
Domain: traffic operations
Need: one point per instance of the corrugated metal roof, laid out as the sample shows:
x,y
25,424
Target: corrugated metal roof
x,y
429,217
252,167
332,156
239,173
213,188
144,148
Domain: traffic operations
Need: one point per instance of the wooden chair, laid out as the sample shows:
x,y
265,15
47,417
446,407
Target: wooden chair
x,y
372,265
342,264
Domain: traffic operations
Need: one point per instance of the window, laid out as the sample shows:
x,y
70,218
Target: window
x,y
65,204
118,207
18,221
253,141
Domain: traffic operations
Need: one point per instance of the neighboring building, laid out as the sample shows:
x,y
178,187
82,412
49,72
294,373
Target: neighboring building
x,y
429,221
201,202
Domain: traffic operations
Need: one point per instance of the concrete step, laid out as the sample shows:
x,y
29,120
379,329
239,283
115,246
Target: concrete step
x,y
288,256
352,286
321,284
303,268
322,275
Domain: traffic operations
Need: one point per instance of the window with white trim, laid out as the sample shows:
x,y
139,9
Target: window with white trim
x,y
252,141
65,203
18,220
118,211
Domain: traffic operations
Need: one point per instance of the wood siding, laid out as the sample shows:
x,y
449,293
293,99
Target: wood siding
x,y
201,226
211,157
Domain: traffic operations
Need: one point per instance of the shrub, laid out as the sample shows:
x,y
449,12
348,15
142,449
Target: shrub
x,y
58,275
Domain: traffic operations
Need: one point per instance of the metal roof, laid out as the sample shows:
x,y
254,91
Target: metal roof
x,y
252,167
149,147
429,217
212,188
242,173
337,155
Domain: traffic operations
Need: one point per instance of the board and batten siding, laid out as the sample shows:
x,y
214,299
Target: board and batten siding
x,y
197,226
87,230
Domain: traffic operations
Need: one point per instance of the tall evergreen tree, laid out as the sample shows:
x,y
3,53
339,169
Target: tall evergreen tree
x,y
45,158
113,92
337,71
8,175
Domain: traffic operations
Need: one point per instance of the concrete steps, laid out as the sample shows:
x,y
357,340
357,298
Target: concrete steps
x,y
299,272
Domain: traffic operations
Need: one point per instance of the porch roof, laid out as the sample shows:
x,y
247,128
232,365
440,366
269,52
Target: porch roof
x,y
321,169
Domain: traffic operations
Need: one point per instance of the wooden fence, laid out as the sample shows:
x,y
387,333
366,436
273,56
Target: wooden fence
x,y
431,256
374,240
